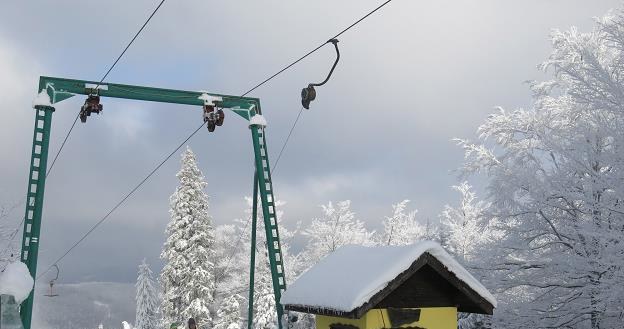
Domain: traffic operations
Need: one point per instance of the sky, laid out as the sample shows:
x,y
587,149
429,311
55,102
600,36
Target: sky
x,y
412,77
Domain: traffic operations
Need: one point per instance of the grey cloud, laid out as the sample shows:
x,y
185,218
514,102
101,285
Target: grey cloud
x,y
411,78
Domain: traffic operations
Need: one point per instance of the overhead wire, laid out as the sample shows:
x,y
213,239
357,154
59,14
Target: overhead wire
x,y
136,35
315,49
279,156
300,111
197,130
136,187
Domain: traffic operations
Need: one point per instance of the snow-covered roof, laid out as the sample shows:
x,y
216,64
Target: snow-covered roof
x,y
349,277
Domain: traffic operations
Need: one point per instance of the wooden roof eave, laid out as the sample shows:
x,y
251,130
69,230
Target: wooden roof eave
x,y
484,306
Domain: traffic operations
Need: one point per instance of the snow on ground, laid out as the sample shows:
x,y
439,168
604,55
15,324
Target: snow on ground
x,y
258,120
16,281
351,275
42,99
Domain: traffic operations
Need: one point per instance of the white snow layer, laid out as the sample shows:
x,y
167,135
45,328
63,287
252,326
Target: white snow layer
x,y
209,99
258,120
16,281
351,275
42,99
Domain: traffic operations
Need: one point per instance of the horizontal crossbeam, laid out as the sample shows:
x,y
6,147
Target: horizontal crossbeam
x,y
60,89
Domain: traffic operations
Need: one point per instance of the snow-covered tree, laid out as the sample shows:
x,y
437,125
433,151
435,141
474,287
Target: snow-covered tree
x,y
228,315
187,278
9,241
146,299
555,174
467,233
402,228
466,230
337,227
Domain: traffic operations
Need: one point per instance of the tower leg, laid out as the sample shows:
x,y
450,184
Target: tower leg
x,y
269,214
252,262
34,201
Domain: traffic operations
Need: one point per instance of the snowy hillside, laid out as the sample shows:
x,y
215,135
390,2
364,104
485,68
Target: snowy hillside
x,y
84,305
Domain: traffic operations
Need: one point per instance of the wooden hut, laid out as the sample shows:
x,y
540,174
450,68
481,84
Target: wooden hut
x,y
415,286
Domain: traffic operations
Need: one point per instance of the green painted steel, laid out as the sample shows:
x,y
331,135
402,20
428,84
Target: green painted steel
x,y
34,201
60,89
252,257
269,213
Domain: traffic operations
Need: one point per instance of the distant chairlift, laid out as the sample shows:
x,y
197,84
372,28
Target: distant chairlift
x,y
52,294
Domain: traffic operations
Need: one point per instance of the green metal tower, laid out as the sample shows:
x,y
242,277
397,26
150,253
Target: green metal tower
x,y
59,89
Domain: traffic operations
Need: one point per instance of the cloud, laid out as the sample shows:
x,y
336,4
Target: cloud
x,y
411,77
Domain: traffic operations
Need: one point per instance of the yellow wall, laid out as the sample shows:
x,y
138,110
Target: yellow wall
x,y
430,318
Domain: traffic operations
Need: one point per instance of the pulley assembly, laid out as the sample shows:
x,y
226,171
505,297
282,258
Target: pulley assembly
x,y
308,94
91,105
212,118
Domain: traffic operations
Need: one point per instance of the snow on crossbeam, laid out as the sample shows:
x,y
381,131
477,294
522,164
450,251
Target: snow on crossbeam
x,y
353,279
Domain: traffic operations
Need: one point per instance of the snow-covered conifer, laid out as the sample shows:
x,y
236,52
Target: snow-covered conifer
x,y
146,299
187,278
228,315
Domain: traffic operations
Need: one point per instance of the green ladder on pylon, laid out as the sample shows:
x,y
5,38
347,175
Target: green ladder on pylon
x,y
267,199
34,199
59,89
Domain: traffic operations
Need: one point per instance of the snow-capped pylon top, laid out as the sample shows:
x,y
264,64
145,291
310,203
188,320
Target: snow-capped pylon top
x,y
258,120
42,99
354,279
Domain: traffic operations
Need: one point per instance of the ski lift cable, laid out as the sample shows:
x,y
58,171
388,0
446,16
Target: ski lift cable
x,y
130,43
244,231
197,130
316,49
279,156
123,200
77,116
102,80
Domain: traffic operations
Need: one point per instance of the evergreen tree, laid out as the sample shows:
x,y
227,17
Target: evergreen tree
x,y
146,299
187,277
228,315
